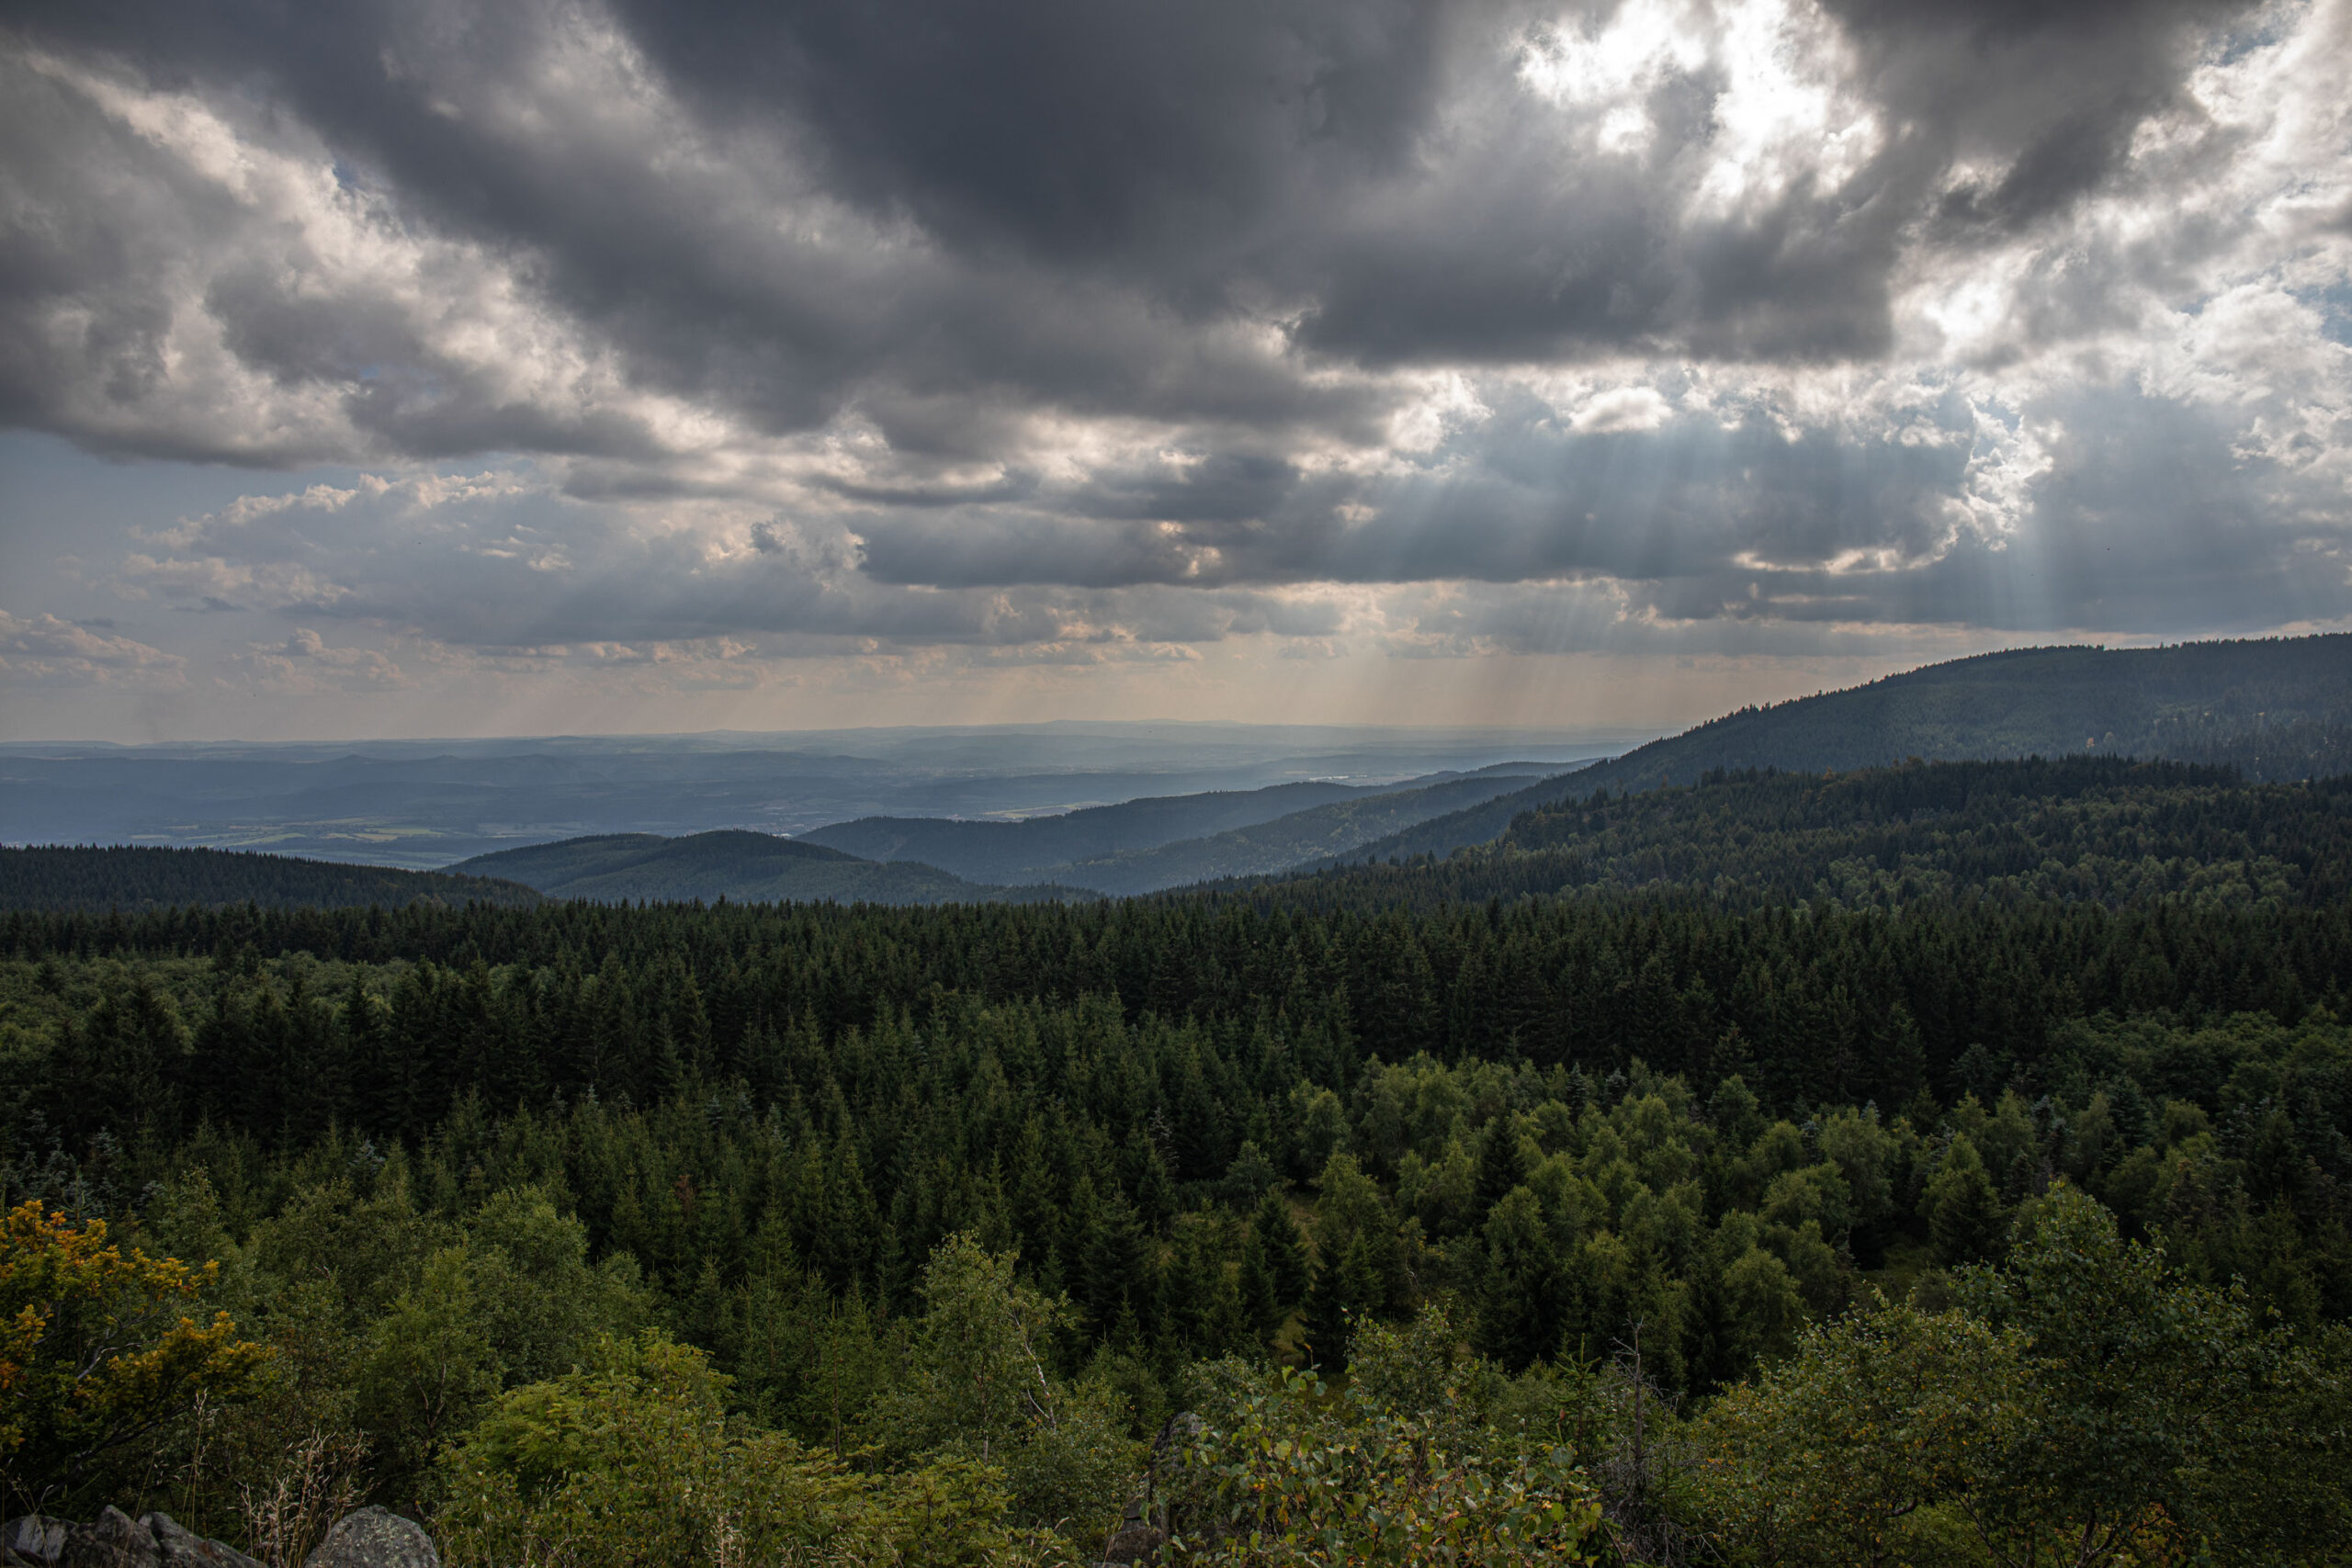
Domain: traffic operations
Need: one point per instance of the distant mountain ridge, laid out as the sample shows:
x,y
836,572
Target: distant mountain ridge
x,y
2274,711
750,866
98,878
425,804
2278,709
1322,831
1142,846
986,851
733,863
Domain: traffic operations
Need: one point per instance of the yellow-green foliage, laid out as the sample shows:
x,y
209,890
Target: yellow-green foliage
x,y
633,1460
100,1346
1407,1466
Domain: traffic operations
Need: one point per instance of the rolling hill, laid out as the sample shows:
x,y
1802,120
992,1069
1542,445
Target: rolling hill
x,y
1000,852
758,867
2276,710
730,864
1142,846
1320,832
138,877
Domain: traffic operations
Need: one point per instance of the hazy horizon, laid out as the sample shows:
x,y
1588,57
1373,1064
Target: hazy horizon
x,y
1546,734
426,803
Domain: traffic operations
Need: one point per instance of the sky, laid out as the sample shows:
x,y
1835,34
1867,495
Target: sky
x,y
449,368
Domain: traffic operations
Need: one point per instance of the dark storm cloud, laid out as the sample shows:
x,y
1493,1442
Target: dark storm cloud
x,y
1025,322
477,121
1515,258
2048,93
1126,133
1209,151
111,247
1067,199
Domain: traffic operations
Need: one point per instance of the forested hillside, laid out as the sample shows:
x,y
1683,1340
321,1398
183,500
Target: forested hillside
x,y
99,877
441,1152
2100,829
730,864
2278,709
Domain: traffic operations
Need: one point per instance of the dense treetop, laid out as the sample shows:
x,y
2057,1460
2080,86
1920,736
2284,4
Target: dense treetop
x,y
145,877
729,864
2278,709
2099,828
446,1150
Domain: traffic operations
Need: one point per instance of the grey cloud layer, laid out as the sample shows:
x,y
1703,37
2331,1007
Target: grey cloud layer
x,y
1069,323
516,571
775,205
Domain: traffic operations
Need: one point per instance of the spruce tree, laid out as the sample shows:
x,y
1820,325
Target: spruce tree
x,y
1259,1305
1276,1232
1963,1211
1502,1166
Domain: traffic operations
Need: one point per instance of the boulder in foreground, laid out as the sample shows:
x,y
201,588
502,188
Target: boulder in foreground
x,y
373,1537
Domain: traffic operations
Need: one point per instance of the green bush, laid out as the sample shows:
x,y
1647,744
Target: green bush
x,y
634,1461
1401,1468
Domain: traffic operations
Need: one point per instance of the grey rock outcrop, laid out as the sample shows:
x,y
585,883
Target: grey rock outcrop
x,y
372,1537
1143,1528
176,1546
113,1540
32,1542
1135,1542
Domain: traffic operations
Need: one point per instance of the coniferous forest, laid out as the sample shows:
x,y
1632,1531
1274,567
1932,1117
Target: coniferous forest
x,y
1930,1165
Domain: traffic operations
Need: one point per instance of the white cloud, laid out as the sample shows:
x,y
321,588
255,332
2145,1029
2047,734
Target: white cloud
x,y
306,665
41,650
1621,410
